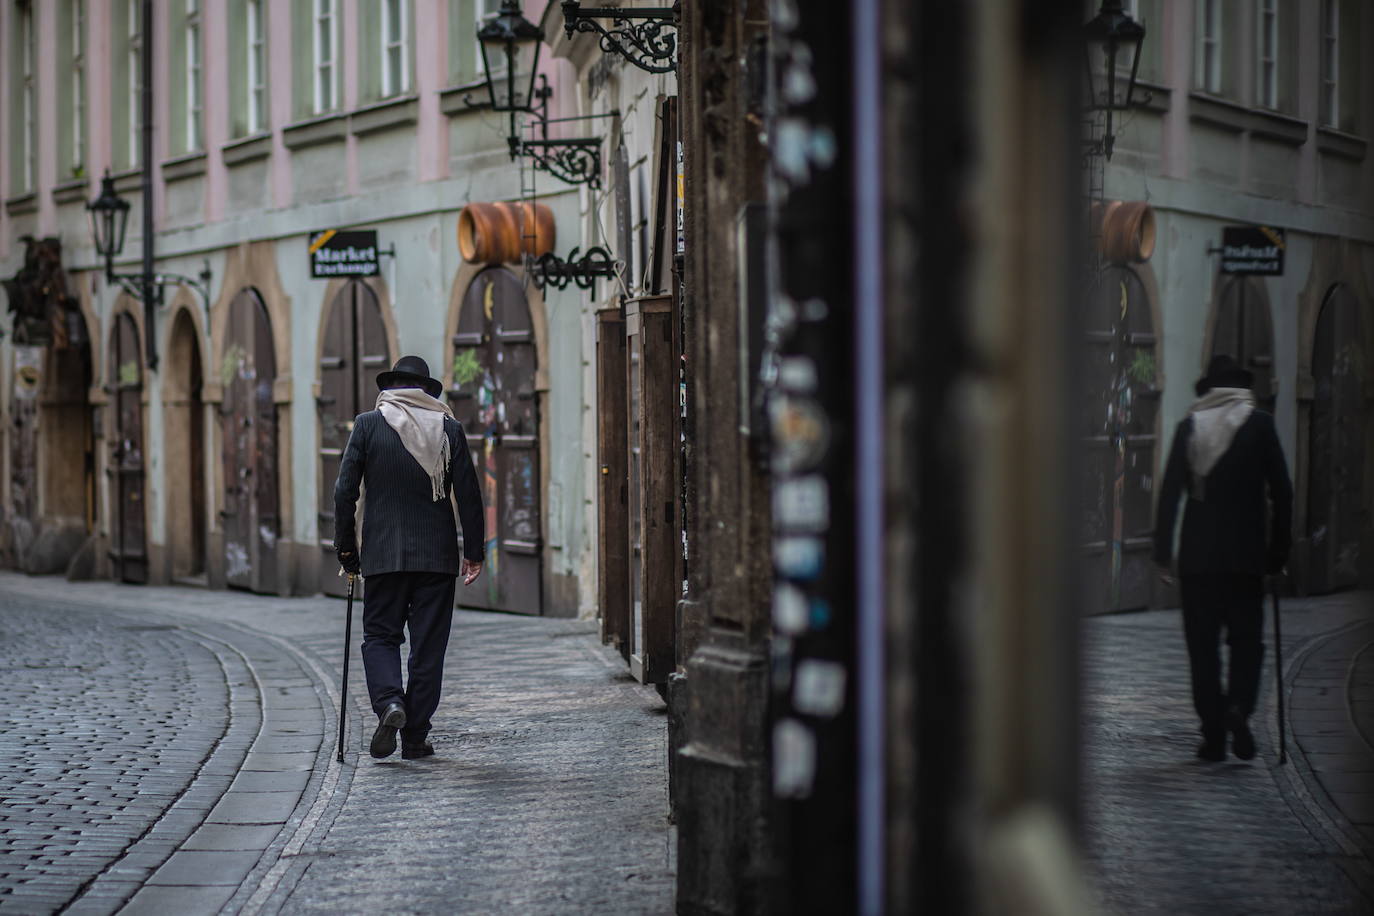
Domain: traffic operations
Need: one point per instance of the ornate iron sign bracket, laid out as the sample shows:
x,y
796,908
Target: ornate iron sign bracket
x,y
646,37
575,161
551,270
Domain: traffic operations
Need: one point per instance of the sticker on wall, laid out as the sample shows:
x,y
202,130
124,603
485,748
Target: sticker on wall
x,y
819,688
798,558
794,759
801,433
790,609
802,504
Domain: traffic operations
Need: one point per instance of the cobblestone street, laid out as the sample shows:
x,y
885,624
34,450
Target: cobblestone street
x,y
1168,833
172,750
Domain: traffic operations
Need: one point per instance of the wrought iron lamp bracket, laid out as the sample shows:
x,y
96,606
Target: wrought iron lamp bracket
x,y
551,270
149,288
646,37
576,161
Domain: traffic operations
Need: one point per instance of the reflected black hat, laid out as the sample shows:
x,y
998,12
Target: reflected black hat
x,y
410,371
1224,372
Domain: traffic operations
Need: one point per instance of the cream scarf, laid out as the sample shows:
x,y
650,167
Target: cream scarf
x,y
419,420
1216,417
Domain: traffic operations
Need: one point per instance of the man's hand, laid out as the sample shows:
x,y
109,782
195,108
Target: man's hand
x,y
470,570
348,559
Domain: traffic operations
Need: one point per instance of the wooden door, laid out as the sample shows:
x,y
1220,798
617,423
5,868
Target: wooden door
x,y
184,447
1119,436
653,449
1244,330
251,517
1335,486
493,395
129,546
613,523
354,351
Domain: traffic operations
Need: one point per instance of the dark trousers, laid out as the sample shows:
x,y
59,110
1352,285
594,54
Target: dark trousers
x,y
1211,602
392,602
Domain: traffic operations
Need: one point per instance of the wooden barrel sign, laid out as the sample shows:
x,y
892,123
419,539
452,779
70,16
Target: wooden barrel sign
x,y
1125,230
502,232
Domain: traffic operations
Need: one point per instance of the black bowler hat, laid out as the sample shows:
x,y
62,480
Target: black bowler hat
x,y
1224,372
410,371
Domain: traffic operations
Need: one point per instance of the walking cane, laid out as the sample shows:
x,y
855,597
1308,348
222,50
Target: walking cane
x,y
348,643
1278,664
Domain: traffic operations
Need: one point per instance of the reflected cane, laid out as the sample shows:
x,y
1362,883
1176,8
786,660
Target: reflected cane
x,y
348,642
1278,664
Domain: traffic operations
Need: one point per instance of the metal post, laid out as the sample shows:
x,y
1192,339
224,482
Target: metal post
x,y
147,286
870,662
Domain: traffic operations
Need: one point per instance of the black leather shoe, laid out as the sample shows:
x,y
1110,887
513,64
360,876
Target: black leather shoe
x,y
393,718
1242,742
416,751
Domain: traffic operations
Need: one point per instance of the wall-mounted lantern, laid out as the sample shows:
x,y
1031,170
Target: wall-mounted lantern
x,y
510,46
1109,35
645,36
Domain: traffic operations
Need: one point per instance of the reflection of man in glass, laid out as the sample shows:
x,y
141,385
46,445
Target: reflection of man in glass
x,y
1226,457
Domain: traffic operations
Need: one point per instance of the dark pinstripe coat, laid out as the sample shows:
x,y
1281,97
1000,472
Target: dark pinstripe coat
x,y
405,529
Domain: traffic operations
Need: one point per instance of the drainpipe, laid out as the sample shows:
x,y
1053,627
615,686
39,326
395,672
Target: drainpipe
x,y
151,292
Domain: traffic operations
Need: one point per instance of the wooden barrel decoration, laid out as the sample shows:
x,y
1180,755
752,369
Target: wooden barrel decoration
x,y
1128,232
499,233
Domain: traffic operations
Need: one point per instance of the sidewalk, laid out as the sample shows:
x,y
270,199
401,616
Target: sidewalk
x,y
174,752
1167,833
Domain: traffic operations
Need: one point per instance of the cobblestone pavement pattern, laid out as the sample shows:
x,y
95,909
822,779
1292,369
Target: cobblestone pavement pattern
x,y
547,795
105,724
1167,833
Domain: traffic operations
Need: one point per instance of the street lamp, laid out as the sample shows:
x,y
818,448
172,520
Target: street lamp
x,y
510,46
1109,35
109,219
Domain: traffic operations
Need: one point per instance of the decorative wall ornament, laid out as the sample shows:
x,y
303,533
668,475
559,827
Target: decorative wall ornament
x,y
646,37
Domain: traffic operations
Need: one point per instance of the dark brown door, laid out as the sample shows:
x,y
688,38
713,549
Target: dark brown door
x,y
128,548
249,416
613,562
1335,497
1119,435
493,396
1244,331
354,351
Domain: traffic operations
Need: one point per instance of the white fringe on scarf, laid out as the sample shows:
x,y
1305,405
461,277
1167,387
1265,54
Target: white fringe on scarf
x,y
419,420
1217,415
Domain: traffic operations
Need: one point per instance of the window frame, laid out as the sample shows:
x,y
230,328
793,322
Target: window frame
x,y
1209,75
77,162
399,45
1267,72
28,94
255,68
195,70
134,57
324,73
1329,76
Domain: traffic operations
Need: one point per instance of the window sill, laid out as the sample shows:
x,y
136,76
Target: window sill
x,y
400,111
182,167
1275,125
71,191
454,100
330,128
23,204
1219,112
247,149
1159,96
1339,143
129,180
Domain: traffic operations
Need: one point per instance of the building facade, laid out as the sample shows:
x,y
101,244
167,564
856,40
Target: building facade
x,y
207,430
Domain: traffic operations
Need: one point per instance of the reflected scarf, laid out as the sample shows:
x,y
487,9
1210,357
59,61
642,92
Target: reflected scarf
x,y
1216,417
419,420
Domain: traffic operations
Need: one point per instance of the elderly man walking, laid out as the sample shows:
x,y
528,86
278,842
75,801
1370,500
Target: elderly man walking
x,y
1236,527
411,455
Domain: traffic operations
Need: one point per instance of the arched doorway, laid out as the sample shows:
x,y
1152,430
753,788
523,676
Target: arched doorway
x,y
1336,509
184,443
1243,329
353,351
252,522
492,393
128,533
1122,402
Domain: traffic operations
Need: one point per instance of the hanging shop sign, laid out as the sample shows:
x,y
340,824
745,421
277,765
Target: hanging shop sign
x,y
1256,250
343,253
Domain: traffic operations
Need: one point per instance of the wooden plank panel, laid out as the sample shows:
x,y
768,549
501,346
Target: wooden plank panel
x,y
613,534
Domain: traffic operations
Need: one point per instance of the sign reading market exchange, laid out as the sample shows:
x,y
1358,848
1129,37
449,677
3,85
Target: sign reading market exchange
x,y
1252,250
343,253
